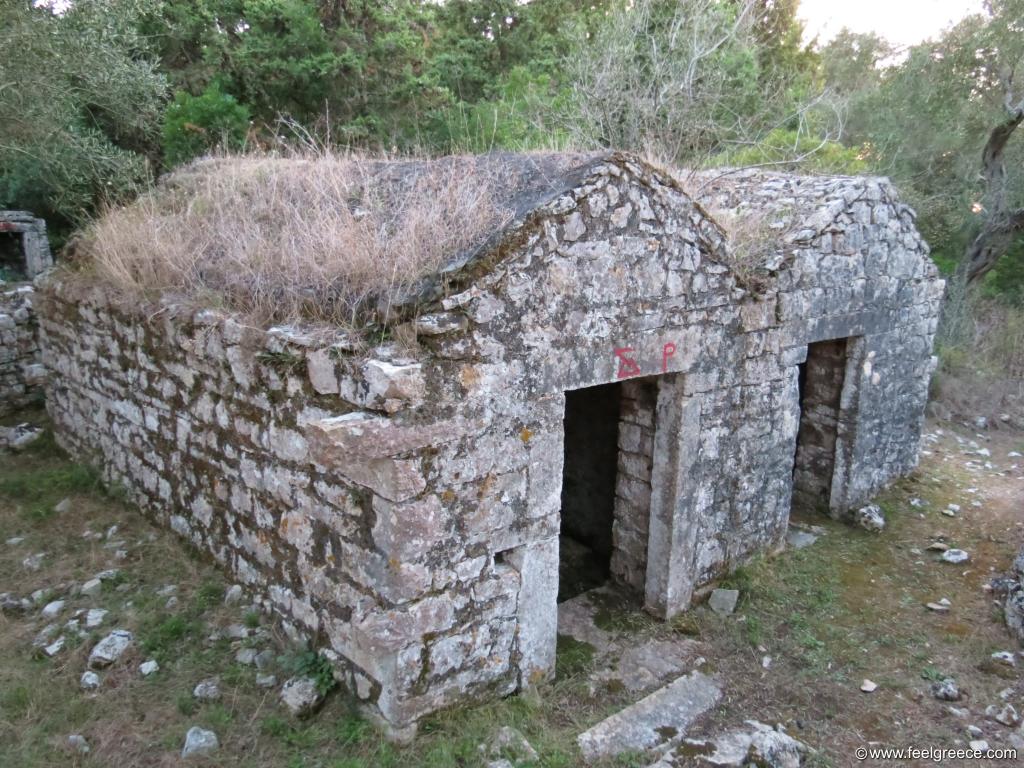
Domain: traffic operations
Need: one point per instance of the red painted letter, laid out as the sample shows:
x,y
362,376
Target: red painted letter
x,y
627,365
666,352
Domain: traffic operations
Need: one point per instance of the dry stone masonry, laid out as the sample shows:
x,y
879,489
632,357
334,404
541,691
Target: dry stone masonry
x,y
24,255
21,369
402,503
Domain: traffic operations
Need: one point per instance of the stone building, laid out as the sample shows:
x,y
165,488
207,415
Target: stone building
x,y
24,249
24,254
610,370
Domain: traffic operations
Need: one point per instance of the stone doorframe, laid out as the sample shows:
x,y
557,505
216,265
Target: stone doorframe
x,y
672,534
858,367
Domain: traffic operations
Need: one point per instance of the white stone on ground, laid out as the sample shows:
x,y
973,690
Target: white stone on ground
x,y
246,656
94,617
1005,715
89,681
266,681
979,746
15,541
1005,657
55,647
53,609
148,668
233,595
755,744
946,690
300,696
33,562
723,601
207,690
868,686
64,505
199,742
77,743
659,720
870,518
955,556
109,649
92,588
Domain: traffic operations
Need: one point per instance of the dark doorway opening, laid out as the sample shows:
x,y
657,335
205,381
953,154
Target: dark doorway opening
x,y
821,388
588,488
12,256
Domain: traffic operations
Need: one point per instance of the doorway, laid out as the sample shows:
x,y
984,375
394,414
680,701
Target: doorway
x,y
821,379
588,488
12,256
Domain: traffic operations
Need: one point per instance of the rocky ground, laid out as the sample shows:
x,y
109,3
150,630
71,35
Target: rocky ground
x,y
118,647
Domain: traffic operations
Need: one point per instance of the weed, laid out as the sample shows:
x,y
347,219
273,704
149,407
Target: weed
x,y
312,664
251,619
284,363
572,657
164,635
933,674
186,704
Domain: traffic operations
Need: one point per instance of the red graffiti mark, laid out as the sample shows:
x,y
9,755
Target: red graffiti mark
x,y
627,365
666,352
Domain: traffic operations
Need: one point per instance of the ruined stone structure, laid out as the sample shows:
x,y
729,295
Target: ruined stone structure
x,y
24,249
24,254
21,370
598,370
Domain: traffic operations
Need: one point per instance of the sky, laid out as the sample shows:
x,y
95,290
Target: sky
x,y
902,22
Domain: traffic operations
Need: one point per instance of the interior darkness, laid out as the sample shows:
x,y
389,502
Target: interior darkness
x,y
821,387
12,256
588,487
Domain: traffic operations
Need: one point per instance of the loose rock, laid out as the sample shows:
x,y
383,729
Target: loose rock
x,y
77,743
868,686
300,696
233,595
1005,657
946,690
1005,715
266,681
148,668
870,518
955,556
207,690
199,742
92,588
723,601
89,681
53,609
109,649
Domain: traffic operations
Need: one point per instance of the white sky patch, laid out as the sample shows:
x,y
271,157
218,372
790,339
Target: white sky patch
x,y
902,22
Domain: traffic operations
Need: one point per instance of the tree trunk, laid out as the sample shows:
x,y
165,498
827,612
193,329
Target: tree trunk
x,y
1001,224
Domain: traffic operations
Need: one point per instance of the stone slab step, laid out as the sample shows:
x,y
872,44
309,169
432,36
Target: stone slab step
x,y
658,721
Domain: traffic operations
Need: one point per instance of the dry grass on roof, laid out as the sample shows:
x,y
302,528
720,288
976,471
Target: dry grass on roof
x,y
299,238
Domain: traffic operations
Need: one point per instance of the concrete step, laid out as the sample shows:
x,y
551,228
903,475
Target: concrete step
x,y
658,721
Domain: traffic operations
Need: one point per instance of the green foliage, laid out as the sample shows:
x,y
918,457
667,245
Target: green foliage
x,y
925,120
783,149
160,637
80,100
194,125
311,664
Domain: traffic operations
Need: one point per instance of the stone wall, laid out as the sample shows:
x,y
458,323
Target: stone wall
x,y
21,371
631,526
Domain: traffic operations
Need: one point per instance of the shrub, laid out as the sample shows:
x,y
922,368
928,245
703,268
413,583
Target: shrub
x,y
196,125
